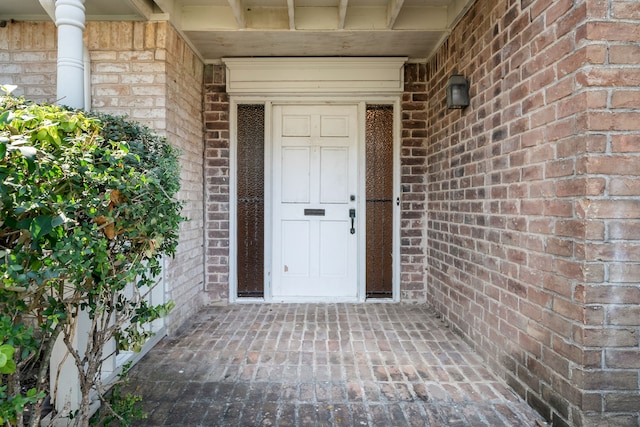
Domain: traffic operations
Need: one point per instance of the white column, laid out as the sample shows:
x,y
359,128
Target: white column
x,y
70,18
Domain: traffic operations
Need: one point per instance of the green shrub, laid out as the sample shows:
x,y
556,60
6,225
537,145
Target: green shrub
x,y
88,209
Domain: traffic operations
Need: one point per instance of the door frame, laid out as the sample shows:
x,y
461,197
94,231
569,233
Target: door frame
x,y
361,102
314,81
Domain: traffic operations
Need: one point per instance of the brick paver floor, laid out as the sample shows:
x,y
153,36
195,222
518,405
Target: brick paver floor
x,y
322,365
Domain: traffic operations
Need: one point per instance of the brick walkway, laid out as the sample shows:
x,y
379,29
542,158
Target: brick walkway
x,y
323,365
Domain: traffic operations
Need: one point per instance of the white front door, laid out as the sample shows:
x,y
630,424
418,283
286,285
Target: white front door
x,y
315,183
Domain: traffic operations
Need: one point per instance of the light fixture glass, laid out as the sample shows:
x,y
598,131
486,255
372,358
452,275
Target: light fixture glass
x,y
457,92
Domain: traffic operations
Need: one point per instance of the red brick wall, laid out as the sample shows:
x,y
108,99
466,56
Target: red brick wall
x,y
611,211
216,155
413,184
532,212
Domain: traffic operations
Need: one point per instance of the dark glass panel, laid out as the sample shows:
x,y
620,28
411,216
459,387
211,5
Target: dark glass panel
x,y
379,195
250,197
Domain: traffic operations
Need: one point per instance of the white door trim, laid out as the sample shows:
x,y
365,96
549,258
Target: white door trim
x,y
268,101
355,81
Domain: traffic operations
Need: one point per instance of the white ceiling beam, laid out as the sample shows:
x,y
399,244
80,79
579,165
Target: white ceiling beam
x,y
143,7
238,12
50,7
422,18
166,6
456,10
291,11
394,10
214,18
289,17
342,13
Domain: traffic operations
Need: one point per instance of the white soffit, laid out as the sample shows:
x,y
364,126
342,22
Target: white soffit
x,y
218,29
314,75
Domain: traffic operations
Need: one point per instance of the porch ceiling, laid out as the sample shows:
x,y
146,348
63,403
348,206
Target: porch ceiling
x,y
254,28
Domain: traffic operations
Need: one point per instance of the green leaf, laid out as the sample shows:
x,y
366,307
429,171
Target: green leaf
x,y
8,368
58,220
5,117
53,133
40,226
7,350
29,154
3,360
42,134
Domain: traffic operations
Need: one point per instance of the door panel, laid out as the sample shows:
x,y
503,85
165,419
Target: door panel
x,y
295,248
315,173
334,248
334,126
296,125
296,187
334,175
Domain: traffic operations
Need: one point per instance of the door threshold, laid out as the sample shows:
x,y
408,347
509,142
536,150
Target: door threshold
x,y
305,300
312,300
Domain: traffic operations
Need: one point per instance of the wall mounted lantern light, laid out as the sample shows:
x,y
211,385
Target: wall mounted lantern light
x,y
457,92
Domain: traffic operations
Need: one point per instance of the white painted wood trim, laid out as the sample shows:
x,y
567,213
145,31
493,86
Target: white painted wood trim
x,y
238,12
233,201
362,201
397,208
291,11
268,200
315,76
342,13
394,10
